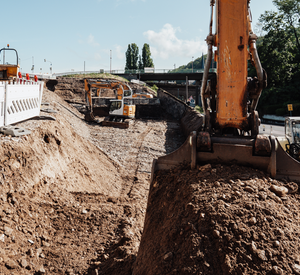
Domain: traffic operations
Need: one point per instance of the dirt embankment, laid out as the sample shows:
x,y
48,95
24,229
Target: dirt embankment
x,y
219,220
73,195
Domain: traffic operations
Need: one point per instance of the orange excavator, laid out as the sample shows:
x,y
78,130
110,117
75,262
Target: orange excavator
x,y
118,109
230,128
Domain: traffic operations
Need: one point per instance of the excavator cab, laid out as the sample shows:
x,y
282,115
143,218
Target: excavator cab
x,y
292,134
230,125
8,71
122,109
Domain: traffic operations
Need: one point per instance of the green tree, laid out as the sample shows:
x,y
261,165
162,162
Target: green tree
x,y
279,52
140,63
146,56
128,55
132,54
289,10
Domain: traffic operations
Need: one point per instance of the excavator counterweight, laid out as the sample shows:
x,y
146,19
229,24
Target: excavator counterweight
x,y
230,124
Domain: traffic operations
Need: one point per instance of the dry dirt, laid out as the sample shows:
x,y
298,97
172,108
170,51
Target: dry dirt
x,y
74,196
220,220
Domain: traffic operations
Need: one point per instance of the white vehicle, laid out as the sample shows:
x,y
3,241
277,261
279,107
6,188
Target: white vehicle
x,y
292,134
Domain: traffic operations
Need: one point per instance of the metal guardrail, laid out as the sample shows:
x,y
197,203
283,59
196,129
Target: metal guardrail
x,y
117,72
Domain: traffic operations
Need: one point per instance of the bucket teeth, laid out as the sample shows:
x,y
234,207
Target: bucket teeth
x,y
264,153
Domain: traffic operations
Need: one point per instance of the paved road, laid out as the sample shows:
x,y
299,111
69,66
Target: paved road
x,y
271,130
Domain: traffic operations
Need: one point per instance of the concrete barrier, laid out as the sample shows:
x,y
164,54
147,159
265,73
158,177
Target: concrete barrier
x,y
2,98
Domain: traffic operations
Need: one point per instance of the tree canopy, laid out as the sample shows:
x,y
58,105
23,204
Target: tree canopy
x,y
135,61
146,56
132,56
279,52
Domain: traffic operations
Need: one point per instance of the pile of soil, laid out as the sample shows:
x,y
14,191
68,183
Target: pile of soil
x,y
61,202
220,220
73,194
73,88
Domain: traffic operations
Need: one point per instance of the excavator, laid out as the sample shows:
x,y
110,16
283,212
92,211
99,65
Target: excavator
x,y
292,136
8,71
119,109
230,124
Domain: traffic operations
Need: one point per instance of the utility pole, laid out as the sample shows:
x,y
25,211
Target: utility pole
x,y
187,88
32,68
192,64
110,59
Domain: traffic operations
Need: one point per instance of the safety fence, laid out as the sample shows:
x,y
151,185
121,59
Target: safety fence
x,y
19,100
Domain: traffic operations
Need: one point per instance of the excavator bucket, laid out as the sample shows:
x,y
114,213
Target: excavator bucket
x,y
264,153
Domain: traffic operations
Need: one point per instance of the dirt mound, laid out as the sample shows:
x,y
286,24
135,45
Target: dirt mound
x,y
220,220
73,88
73,194
62,202
67,88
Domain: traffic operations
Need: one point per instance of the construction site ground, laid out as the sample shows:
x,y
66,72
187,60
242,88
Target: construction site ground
x,y
73,194
74,197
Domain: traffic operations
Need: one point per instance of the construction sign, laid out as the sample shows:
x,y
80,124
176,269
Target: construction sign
x,y
290,107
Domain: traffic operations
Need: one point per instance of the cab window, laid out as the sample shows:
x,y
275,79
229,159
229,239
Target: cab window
x,y
127,93
296,129
115,105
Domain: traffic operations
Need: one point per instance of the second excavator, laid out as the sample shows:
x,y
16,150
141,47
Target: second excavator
x,y
230,128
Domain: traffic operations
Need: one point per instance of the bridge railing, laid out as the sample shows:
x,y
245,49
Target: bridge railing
x,y
117,72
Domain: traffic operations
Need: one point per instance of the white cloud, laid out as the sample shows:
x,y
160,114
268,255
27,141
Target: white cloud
x,y
165,43
119,52
97,56
91,41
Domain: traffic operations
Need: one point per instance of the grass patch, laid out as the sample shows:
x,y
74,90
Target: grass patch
x,y
97,75
199,109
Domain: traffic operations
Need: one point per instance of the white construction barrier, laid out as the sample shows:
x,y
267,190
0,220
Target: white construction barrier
x,y
22,100
2,98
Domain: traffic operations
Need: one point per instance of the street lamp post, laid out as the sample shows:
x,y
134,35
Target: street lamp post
x,y
50,65
192,64
110,59
32,68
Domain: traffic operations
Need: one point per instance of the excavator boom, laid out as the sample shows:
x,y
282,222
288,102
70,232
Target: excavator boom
x,y
230,124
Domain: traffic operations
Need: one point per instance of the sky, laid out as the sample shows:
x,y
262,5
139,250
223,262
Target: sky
x,y
77,35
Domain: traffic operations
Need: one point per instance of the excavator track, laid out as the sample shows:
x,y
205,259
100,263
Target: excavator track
x,y
116,122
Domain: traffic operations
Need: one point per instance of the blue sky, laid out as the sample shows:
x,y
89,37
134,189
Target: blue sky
x,y
71,33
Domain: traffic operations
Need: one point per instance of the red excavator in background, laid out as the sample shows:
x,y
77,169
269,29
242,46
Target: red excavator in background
x,y
230,130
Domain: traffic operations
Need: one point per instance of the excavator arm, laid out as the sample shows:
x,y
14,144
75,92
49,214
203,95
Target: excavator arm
x,y
230,125
234,97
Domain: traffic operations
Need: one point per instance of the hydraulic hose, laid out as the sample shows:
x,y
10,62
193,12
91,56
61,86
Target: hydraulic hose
x,y
210,42
256,61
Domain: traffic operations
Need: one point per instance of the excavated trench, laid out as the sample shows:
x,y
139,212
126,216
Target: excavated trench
x,y
75,199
